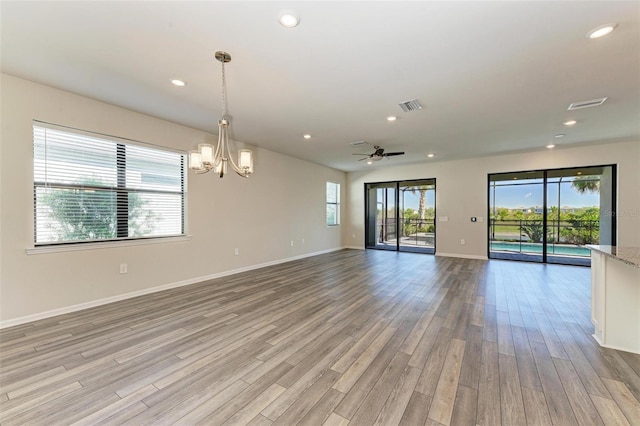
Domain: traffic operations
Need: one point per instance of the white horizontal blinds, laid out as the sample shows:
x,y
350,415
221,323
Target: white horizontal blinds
x,y
94,188
155,180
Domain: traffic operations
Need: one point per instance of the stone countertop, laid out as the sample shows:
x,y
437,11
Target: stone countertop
x,y
628,255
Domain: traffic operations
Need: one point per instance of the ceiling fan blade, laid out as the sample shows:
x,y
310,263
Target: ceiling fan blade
x,y
362,154
390,154
365,158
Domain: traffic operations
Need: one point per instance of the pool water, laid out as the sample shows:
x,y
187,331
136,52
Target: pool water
x,y
564,250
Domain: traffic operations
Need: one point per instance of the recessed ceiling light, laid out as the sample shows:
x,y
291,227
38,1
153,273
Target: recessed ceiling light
x,y
369,162
392,118
307,136
289,19
560,135
570,122
601,31
550,146
431,155
178,83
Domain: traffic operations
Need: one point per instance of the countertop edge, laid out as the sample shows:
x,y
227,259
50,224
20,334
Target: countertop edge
x,y
629,255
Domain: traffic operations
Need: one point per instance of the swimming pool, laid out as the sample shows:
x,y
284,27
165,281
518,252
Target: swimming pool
x,y
563,250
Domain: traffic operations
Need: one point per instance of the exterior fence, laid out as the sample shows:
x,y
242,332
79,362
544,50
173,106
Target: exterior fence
x,y
413,231
526,235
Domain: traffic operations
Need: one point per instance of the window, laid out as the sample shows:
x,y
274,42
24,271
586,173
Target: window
x,y
333,204
90,187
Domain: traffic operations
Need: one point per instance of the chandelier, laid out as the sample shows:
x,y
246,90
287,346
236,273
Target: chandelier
x,y
208,157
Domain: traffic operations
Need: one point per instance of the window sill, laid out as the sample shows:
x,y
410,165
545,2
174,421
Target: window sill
x,y
333,226
104,245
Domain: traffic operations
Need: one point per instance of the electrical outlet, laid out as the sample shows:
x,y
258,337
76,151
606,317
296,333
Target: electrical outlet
x,y
123,268
462,241
303,241
236,251
291,243
353,235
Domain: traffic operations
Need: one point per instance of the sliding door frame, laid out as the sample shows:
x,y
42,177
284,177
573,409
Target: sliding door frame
x,y
545,174
396,186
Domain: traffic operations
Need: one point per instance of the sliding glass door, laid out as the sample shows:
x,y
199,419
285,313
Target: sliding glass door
x,y
550,215
400,215
381,221
516,206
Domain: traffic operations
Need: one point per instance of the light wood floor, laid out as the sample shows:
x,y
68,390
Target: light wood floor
x,y
352,337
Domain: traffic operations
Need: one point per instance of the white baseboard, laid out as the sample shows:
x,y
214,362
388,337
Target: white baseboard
x,y
354,247
463,256
116,298
617,348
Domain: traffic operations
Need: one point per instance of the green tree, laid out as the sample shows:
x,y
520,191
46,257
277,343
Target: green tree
x,y
502,213
422,202
531,226
583,227
90,214
417,224
584,184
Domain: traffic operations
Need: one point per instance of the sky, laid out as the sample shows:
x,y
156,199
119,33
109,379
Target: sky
x,y
412,201
517,196
512,197
531,195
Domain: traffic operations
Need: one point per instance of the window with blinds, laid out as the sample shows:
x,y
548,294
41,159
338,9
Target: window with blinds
x,y
333,204
93,188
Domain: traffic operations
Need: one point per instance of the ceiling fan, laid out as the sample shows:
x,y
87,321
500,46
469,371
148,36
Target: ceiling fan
x,y
378,154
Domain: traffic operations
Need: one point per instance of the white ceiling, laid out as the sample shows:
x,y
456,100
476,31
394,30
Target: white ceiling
x,y
493,77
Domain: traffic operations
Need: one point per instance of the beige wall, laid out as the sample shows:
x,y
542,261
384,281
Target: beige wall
x,y
283,201
462,192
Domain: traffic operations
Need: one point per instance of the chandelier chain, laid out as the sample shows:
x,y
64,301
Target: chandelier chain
x,y
224,93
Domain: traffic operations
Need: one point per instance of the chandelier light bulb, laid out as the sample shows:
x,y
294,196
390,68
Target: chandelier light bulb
x,y
206,153
195,160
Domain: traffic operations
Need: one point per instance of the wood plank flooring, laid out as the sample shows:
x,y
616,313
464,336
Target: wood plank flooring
x,y
347,338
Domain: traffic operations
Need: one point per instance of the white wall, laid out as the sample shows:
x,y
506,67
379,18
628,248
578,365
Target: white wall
x,y
461,192
284,200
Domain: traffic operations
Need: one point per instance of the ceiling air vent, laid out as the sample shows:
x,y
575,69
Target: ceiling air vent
x,y
412,105
586,104
358,143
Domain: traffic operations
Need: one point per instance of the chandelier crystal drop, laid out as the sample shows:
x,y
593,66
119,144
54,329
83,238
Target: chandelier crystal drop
x,y
208,157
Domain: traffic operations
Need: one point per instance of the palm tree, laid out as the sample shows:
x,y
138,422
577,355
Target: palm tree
x,y
422,203
584,184
422,206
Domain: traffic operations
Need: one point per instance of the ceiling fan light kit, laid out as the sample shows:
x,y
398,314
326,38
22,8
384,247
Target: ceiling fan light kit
x,y
378,154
